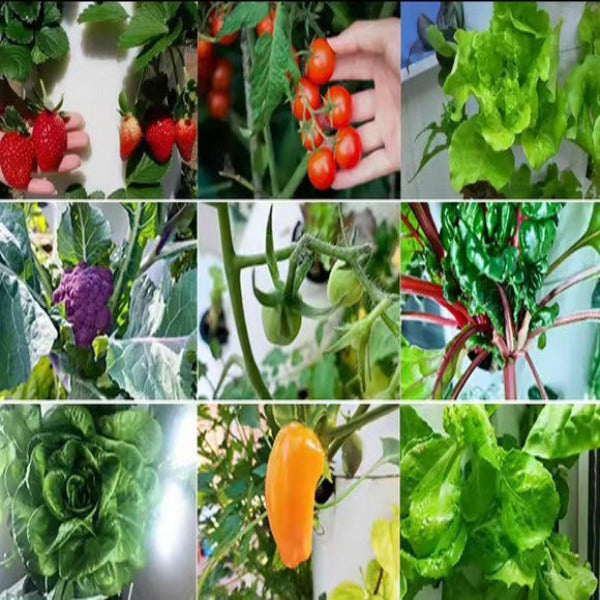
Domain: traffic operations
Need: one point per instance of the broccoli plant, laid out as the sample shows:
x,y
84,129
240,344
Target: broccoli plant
x,y
90,318
485,267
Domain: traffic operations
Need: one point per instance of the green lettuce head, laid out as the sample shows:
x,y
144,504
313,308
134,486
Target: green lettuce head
x,y
79,486
510,70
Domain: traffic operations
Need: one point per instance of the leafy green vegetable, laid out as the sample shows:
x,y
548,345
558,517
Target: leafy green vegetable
x,y
79,486
481,519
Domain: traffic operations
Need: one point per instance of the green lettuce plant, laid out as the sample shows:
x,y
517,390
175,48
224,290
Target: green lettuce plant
x,y
78,488
486,266
479,511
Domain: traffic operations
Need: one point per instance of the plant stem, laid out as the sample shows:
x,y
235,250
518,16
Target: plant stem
x,y
425,220
510,380
357,423
253,145
172,250
271,161
256,260
232,361
566,254
536,376
467,374
589,315
242,181
232,274
509,327
338,443
587,274
428,318
414,233
295,180
456,346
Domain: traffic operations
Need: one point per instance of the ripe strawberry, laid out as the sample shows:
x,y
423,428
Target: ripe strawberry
x,y
185,136
160,134
16,159
130,136
49,136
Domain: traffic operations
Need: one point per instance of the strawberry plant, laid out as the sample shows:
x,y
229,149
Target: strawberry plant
x,y
360,359
90,317
485,267
512,71
283,65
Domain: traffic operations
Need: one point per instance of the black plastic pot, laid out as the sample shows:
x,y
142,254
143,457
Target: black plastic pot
x,y
221,334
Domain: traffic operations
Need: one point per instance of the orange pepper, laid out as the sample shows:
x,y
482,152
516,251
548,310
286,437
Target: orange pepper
x,y
293,472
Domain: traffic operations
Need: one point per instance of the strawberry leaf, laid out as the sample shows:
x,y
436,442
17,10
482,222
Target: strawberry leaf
x,y
107,12
142,28
142,168
52,41
15,62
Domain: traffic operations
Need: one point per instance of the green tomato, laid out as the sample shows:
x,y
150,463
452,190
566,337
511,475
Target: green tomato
x,y
281,325
343,287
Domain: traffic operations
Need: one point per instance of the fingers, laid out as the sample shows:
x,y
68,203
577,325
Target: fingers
x,y
370,167
77,141
380,37
41,187
69,162
363,106
73,121
370,137
354,67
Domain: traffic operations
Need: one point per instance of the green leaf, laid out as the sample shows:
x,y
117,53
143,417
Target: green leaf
x,y
471,159
385,536
157,48
347,591
181,311
246,14
273,60
128,363
562,431
17,32
26,331
15,62
26,11
52,41
112,12
142,28
143,169
42,384
84,235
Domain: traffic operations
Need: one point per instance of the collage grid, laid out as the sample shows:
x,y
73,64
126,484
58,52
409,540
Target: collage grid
x,y
199,300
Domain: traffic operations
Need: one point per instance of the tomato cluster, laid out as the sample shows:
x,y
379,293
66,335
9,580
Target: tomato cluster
x,y
318,115
215,72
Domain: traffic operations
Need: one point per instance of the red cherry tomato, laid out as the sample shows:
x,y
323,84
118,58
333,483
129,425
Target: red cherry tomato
x,y
307,93
221,76
267,24
218,104
311,136
321,62
321,169
348,148
216,23
205,50
341,106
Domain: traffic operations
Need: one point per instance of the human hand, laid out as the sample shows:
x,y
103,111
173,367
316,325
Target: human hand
x,y
370,51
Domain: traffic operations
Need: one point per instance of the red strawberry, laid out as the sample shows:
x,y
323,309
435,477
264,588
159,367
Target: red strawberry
x,y
16,159
130,136
185,136
49,140
160,134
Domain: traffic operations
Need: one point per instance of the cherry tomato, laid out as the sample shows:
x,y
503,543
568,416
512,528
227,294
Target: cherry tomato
x,y
267,24
311,136
341,106
321,63
221,76
205,67
321,169
218,104
216,23
306,90
205,50
348,148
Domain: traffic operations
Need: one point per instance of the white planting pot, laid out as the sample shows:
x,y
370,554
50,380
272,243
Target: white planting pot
x,y
342,545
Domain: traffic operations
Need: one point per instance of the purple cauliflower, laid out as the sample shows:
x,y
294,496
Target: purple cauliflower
x,y
86,291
